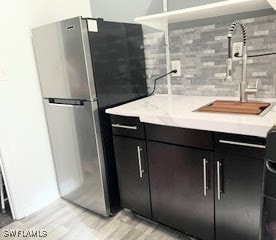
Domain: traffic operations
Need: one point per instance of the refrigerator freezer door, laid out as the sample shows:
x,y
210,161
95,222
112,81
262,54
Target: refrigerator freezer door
x,y
61,59
77,154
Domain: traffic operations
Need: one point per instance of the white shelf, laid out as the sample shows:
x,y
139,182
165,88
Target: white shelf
x,y
222,8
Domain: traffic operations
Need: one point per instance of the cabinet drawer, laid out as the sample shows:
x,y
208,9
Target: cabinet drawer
x,y
127,126
240,145
180,136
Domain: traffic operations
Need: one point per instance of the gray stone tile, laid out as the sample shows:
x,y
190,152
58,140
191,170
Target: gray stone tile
x,y
202,51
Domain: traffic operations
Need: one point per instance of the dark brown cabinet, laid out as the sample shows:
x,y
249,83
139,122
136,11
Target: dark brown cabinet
x,y
237,212
239,164
181,182
203,183
131,163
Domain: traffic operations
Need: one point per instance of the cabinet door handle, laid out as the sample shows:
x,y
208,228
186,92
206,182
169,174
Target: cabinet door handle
x,y
141,171
117,125
205,180
242,144
219,179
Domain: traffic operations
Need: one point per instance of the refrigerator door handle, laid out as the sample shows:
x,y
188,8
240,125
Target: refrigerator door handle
x,y
66,105
66,102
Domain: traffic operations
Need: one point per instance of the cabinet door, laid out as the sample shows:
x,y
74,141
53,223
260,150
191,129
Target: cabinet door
x,y
239,181
179,178
131,163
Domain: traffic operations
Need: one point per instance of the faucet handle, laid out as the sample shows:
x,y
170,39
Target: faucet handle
x,y
251,90
257,83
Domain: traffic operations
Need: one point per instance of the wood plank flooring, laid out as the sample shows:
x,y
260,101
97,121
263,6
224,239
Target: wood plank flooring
x,y
5,218
65,221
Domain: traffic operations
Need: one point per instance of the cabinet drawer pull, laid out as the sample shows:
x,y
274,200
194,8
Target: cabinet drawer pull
x,y
117,125
141,171
242,144
205,162
218,179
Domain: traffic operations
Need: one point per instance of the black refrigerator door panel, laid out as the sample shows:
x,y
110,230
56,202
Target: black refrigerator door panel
x,y
118,62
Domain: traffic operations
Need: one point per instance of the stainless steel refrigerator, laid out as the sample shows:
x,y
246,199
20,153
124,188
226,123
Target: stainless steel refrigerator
x,y
86,66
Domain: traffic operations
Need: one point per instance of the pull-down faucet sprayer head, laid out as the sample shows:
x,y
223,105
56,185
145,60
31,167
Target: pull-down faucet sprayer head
x,y
233,27
244,89
230,34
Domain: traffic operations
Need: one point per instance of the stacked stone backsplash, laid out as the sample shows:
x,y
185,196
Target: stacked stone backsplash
x,y
203,52
155,57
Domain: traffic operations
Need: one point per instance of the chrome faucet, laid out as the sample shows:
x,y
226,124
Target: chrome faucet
x,y
244,89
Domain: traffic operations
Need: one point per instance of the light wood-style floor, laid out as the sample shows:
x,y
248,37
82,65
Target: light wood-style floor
x,y
65,221
5,218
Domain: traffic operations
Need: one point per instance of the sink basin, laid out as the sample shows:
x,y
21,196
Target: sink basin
x,y
252,108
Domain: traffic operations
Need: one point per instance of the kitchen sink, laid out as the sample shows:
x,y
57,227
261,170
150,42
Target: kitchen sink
x,y
237,107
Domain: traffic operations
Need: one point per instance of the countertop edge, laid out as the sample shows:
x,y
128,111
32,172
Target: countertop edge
x,y
216,125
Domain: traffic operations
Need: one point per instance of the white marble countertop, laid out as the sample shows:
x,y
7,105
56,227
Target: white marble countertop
x,y
178,111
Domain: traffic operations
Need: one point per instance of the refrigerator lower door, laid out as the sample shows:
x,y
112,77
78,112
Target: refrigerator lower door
x,y
77,152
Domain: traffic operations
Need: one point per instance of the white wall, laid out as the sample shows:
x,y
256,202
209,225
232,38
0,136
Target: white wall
x,y
125,10
24,142
41,12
